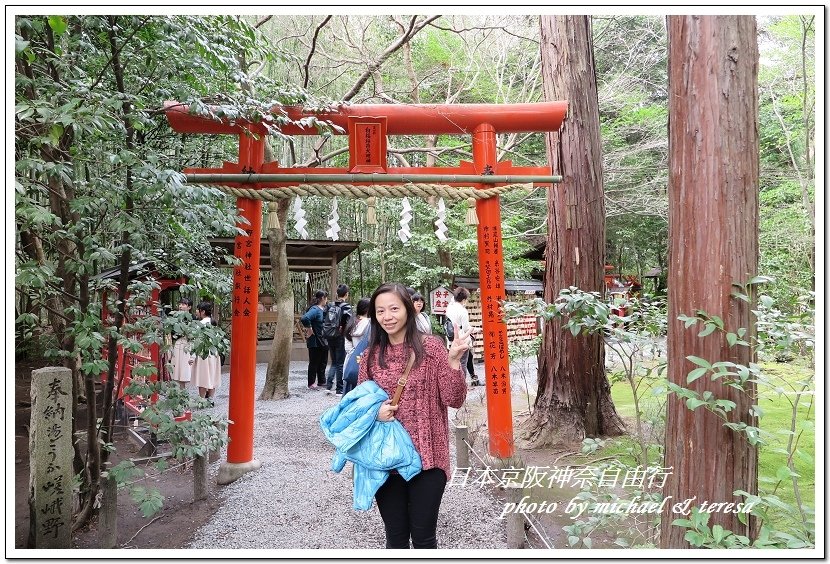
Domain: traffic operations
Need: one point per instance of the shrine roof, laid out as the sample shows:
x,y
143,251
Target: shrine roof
x,y
304,255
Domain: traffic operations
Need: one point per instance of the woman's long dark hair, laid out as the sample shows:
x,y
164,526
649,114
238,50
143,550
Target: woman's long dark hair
x,y
207,307
362,308
318,297
379,339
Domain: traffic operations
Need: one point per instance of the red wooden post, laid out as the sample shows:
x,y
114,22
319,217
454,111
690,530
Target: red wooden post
x,y
491,281
244,312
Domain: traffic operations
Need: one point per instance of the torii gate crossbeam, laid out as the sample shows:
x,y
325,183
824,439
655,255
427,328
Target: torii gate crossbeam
x,y
367,127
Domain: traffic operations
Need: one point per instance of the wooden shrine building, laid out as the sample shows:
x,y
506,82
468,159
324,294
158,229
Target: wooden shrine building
x,y
313,266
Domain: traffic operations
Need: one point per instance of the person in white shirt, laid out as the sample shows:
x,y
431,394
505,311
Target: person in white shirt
x,y
355,331
358,324
459,316
207,372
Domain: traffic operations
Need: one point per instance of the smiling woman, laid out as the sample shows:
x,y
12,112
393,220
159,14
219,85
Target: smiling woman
x,y
410,508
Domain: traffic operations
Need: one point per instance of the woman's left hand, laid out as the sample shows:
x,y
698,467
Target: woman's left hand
x,y
386,412
460,344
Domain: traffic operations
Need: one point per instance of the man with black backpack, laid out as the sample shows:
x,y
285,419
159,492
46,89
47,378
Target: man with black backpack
x,y
335,318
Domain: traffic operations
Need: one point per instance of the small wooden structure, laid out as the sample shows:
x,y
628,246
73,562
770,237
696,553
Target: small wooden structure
x,y
524,328
313,266
162,297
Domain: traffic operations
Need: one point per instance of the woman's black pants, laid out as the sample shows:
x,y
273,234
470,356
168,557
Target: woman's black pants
x,y
410,509
317,357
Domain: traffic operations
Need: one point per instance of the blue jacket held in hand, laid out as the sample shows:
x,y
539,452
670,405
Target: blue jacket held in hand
x,y
374,447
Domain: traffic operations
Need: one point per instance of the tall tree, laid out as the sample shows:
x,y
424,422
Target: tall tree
x,y
574,398
92,193
713,231
276,377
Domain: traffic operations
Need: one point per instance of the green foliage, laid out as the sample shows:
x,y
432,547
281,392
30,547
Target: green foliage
x,y
581,312
633,119
126,475
97,187
776,333
636,243
72,131
197,436
523,360
629,337
787,140
209,340
124,472
700,535
604,501
783,335
149,500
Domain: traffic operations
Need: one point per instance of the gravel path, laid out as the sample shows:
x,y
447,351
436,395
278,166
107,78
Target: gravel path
x,y
296,502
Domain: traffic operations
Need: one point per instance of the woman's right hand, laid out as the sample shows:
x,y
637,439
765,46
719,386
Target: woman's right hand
x,y
386,413
461,344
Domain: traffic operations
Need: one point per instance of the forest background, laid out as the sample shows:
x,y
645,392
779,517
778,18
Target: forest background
x,y
458,59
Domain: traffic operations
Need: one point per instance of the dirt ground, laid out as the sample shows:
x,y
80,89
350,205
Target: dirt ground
x,y
172,527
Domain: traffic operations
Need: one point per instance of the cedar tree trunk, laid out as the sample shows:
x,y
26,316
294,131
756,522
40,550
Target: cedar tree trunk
x,y
573,399
713,233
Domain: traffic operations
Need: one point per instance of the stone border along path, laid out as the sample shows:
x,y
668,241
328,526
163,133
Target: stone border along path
x,y
295,501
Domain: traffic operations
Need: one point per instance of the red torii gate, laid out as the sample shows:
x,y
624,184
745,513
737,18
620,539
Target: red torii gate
x,y
367,127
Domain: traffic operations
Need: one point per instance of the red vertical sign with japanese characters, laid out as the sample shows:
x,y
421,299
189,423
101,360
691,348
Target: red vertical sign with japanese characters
x,y
491,279
244,313
439,299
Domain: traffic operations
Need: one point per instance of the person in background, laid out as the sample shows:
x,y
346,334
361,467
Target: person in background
x,y
181,359
410,509
460,317
421,319
357,324
336,338
207,372
318,347
355,331
471,369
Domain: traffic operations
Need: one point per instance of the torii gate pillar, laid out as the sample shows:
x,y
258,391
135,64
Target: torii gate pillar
x,y
240,458
491,283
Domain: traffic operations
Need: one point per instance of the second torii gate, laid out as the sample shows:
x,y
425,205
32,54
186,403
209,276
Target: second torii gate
x,y
367,127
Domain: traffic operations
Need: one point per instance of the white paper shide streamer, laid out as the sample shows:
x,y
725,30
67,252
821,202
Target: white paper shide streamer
x,y
299,218
440,227
406,216
334,228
